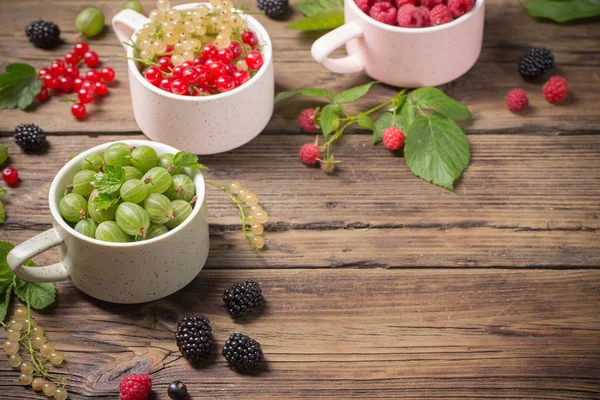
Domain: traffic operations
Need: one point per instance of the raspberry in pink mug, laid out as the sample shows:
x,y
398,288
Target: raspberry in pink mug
x,y
404,57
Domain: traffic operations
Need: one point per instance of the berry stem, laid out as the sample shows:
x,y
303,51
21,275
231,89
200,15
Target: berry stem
x,y
140,60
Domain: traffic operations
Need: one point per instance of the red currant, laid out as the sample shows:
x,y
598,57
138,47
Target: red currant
x,y
58,69
170,48
199,61
153,75
217,69
81,48
88,85
108,74
241,77
230,69
225,55
93,75
254,60
165,84
202,91
225,83
58,61
66,84
101,89
71,59
78,110
205,75
10,176
77,84
50,81
179,86
43,71
85,96
165,63
236,49
178,72
192,75
91,59
249,38
73,72
43,94
187,64
210,51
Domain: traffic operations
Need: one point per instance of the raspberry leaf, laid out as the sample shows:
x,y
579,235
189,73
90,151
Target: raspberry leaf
x,y
4,302
2,213
434,99
436,150
309,92
326,20
563,10
6,274
40,295
3,154
110,180
407,111
314,7
187,160
330,118
18,86
365,121
351,95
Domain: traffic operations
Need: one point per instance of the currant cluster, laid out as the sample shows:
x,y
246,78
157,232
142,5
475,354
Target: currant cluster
x,y
129,193
64,76
203,51
251,212
25,336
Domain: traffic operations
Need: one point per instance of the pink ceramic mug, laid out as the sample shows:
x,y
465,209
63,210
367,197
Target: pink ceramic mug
x,y
404,57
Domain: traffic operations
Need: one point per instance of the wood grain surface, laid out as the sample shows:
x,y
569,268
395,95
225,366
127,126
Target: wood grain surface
x,y
378,285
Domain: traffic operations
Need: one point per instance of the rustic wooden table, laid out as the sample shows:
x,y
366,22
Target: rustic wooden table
x,y
378,285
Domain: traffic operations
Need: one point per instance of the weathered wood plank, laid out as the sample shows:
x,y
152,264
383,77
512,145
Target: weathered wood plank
x,y
576,47
350,334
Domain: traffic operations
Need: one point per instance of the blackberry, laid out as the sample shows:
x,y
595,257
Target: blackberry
x,y
242,352
535,62
194,338
242,298
30,137
43,34
274,8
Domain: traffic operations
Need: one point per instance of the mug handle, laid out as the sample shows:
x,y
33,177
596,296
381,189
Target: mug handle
x,y
32,247
126,22
325,45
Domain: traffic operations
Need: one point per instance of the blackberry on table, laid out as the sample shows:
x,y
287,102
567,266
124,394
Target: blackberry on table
x,y
274,8
242,298
535,62
43,34
242,352
29,137
194,338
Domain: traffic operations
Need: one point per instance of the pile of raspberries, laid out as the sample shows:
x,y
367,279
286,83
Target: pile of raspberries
x,y
415,13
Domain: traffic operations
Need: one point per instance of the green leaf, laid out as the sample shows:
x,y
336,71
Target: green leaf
x,y
324,20
408,112
41,295
110,180
2,213
2,192
330,117
18,86
309,92
365,121
6,274
314,7
187,160
434,99
350,95
5,302
563,10
436,150
104,201
3,154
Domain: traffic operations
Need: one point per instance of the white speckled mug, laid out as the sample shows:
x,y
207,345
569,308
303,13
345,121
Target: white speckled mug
x,y
404,57
200,125
124,273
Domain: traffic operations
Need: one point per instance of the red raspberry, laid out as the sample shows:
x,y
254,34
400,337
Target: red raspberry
x,y
458,8
425,12
400,3
410,16
440,15
431,3
135,387
364,5
306,121
517,100
393,138
556,89
310,154
384,12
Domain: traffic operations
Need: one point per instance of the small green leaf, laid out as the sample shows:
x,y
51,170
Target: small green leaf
x,y
436,150
434,99
187,160
3,154
365,121
2,213
324,20
4,303
314,7
105,201
330,115
351,95
2,192
6,274
309,92
563,10
408,112
41,295
18,86
110,180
